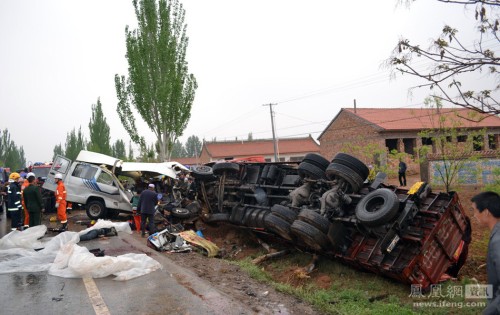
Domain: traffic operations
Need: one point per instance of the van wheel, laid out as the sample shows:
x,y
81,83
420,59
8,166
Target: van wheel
x,y
96,209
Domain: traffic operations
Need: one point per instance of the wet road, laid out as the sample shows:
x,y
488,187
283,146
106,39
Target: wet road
x,y
171,290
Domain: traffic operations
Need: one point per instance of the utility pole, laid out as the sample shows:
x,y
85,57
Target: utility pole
x,y
274,135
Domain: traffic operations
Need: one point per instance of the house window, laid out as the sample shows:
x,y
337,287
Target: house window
x,y
296,158
409,144
391,144
426,141
493,142
449,139
462,138
478,143
282,159
268,160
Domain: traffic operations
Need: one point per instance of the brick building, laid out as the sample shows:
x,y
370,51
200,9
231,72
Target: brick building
x,y
291,149
399,128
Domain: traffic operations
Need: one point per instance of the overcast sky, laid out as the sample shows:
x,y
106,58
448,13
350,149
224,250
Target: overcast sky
x,y
311,57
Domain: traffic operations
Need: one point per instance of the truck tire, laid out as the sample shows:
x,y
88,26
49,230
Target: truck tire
x,y
317,160
353,163
220,168
285,213
278,226
217,217
378,207
309,170
311,236
181,213
315,219
349,175
96,209
202,172
336,234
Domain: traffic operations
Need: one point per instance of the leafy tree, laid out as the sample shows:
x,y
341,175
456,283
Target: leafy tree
x,y
159,86
10,155
178,150
118,150
75,142
148,154
452,60
453,157
58,150
130,151
250,136
99,131
193,146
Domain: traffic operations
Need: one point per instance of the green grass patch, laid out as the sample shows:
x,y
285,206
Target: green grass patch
x,y
355,292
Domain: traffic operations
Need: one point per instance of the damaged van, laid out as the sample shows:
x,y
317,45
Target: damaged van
x,y
91,180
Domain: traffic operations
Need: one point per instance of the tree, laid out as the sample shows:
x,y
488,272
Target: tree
x,y
118,150
58,150
250,136
452,60
99,131
453,158
159,86
193,146
130,151
178,150
10,155
75,142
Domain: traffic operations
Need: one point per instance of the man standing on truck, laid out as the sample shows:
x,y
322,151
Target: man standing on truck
x,y
61,202
146,207
486,208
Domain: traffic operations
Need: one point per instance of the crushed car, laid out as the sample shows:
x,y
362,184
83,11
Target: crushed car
x,y
330,208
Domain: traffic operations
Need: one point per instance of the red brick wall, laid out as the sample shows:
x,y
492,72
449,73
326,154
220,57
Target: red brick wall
x,y
349,131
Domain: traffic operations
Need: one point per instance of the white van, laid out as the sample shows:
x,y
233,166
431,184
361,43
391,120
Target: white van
x,y
91,181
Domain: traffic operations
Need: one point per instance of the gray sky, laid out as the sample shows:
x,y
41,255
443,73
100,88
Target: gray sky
x,y
311,57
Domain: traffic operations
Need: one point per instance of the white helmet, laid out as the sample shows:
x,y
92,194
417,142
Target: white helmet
x,y
58,176
30,174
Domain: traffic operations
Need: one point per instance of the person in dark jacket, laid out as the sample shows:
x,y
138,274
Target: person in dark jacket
x,y
146,207
14,206
33,201
402,173
486,208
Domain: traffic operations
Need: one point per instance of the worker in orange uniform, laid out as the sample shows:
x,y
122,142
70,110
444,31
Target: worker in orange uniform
x,y
61,202
26,213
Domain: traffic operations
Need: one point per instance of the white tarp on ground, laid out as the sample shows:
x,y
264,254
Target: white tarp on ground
x,y
62,257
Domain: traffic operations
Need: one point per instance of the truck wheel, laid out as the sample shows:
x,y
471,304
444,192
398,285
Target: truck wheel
x,y
348,174
378,207
317,160
307,169
353,163
285,213
218,217
202,172
181,213
315,219
278,226
310,235
228,167
96,209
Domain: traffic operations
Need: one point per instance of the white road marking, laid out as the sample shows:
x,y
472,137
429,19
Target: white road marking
x,y
98,304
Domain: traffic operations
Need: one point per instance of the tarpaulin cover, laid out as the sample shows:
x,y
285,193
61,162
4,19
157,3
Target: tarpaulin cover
x,y
61,255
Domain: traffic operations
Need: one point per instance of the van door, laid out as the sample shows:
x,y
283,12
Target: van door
x,y
61,165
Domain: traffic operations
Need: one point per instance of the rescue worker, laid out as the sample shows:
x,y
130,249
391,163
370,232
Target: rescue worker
x,y
60,194
26,217
32,199
14,206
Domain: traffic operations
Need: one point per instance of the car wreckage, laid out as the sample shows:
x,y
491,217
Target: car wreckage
x,y
330,208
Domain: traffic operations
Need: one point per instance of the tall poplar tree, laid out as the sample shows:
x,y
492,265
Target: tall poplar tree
x,y
159,86
99,131
118,150
193,146
58,150
75,142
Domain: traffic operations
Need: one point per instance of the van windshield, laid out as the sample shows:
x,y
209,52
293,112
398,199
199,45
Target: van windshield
x,y
41,172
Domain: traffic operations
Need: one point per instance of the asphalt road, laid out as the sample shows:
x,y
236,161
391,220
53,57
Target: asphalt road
x,y
171,290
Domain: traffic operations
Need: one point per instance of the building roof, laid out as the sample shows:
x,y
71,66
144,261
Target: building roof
x,y
397,119
260,147
187,160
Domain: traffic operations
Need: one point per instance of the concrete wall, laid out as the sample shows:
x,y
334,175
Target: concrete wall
x,y
473,173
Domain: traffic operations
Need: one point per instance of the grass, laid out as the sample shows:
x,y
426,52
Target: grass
x,y
352,291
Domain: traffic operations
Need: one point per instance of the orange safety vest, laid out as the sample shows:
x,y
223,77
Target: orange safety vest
x,y
26,213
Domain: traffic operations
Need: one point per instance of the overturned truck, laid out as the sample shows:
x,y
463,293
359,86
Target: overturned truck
x,y
414,236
